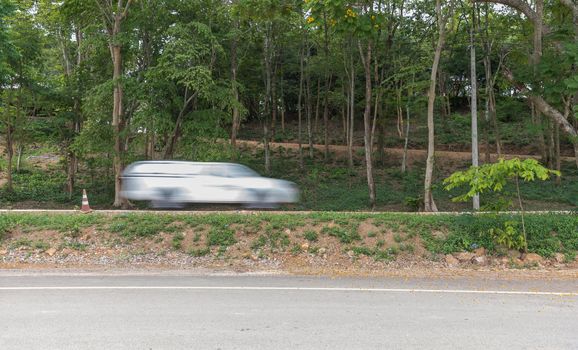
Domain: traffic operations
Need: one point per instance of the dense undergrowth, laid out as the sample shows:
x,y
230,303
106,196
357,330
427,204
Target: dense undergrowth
x,y
330,186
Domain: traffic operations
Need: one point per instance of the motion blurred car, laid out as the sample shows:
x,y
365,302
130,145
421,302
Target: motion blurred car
x,y
173,184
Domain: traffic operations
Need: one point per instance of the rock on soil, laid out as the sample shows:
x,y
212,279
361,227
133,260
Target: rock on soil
x,y
450,260
464,256
531,258
51,251
480,251
480,260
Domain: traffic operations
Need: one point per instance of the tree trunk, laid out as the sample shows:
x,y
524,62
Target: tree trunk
x,y
235,113
117,110
283,107
474,103
494,119
268,53
326,119
172,143
537,58
487,124
9,142
429,203
309,108
351,114
557,152
444,113
366,59
10,154
380,143
300,104
317,106
550,142
405,144
344,113
19,158
273,92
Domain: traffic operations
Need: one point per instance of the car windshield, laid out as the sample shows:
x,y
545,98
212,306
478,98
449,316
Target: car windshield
x,y
241,171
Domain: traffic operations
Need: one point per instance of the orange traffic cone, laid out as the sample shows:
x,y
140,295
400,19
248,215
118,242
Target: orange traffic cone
x,y
85,207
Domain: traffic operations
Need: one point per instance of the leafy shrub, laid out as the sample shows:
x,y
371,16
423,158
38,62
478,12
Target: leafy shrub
x,y
508,236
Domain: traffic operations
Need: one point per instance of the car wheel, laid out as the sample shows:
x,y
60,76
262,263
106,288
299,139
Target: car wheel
x,y
166,199
257,199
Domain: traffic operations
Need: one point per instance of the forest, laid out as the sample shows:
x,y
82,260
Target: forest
x,y
364,104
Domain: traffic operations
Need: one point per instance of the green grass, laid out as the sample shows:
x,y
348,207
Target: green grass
x,y
25,242
344,234
375,253
135,225
311,236
222,237
75,245
199,252
177,241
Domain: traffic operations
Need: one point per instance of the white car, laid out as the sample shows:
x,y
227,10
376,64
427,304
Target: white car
x,y
170,184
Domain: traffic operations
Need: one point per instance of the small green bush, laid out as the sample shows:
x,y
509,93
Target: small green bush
x,y
177,241
311,236
346,235
223,237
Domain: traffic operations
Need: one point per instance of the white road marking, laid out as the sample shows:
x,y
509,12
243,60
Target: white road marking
x,y
305,289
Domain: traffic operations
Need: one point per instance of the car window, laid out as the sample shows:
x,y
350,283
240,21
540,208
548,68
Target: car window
x,y
214,170
240,171
166,169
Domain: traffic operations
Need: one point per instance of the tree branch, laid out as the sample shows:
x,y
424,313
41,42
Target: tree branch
x,y
543,106
523,7
105,14
520,5
125,11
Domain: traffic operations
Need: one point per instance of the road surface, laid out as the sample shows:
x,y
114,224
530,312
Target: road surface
x,y
184,311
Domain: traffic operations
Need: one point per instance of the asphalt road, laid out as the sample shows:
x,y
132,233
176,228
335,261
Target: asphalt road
x,y
155,311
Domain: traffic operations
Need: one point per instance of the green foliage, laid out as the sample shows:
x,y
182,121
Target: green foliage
x,y
376,253
345,234
547,234
311,236
199,252
177,241
494,177
508,236
223,237
136,225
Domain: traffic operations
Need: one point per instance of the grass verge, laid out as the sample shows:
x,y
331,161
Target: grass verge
x,y
548,234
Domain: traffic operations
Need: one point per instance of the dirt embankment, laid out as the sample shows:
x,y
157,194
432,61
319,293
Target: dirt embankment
x,y
413,154
330,247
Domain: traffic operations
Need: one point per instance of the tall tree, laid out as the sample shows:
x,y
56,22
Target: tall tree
x,y
429,203
113,16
